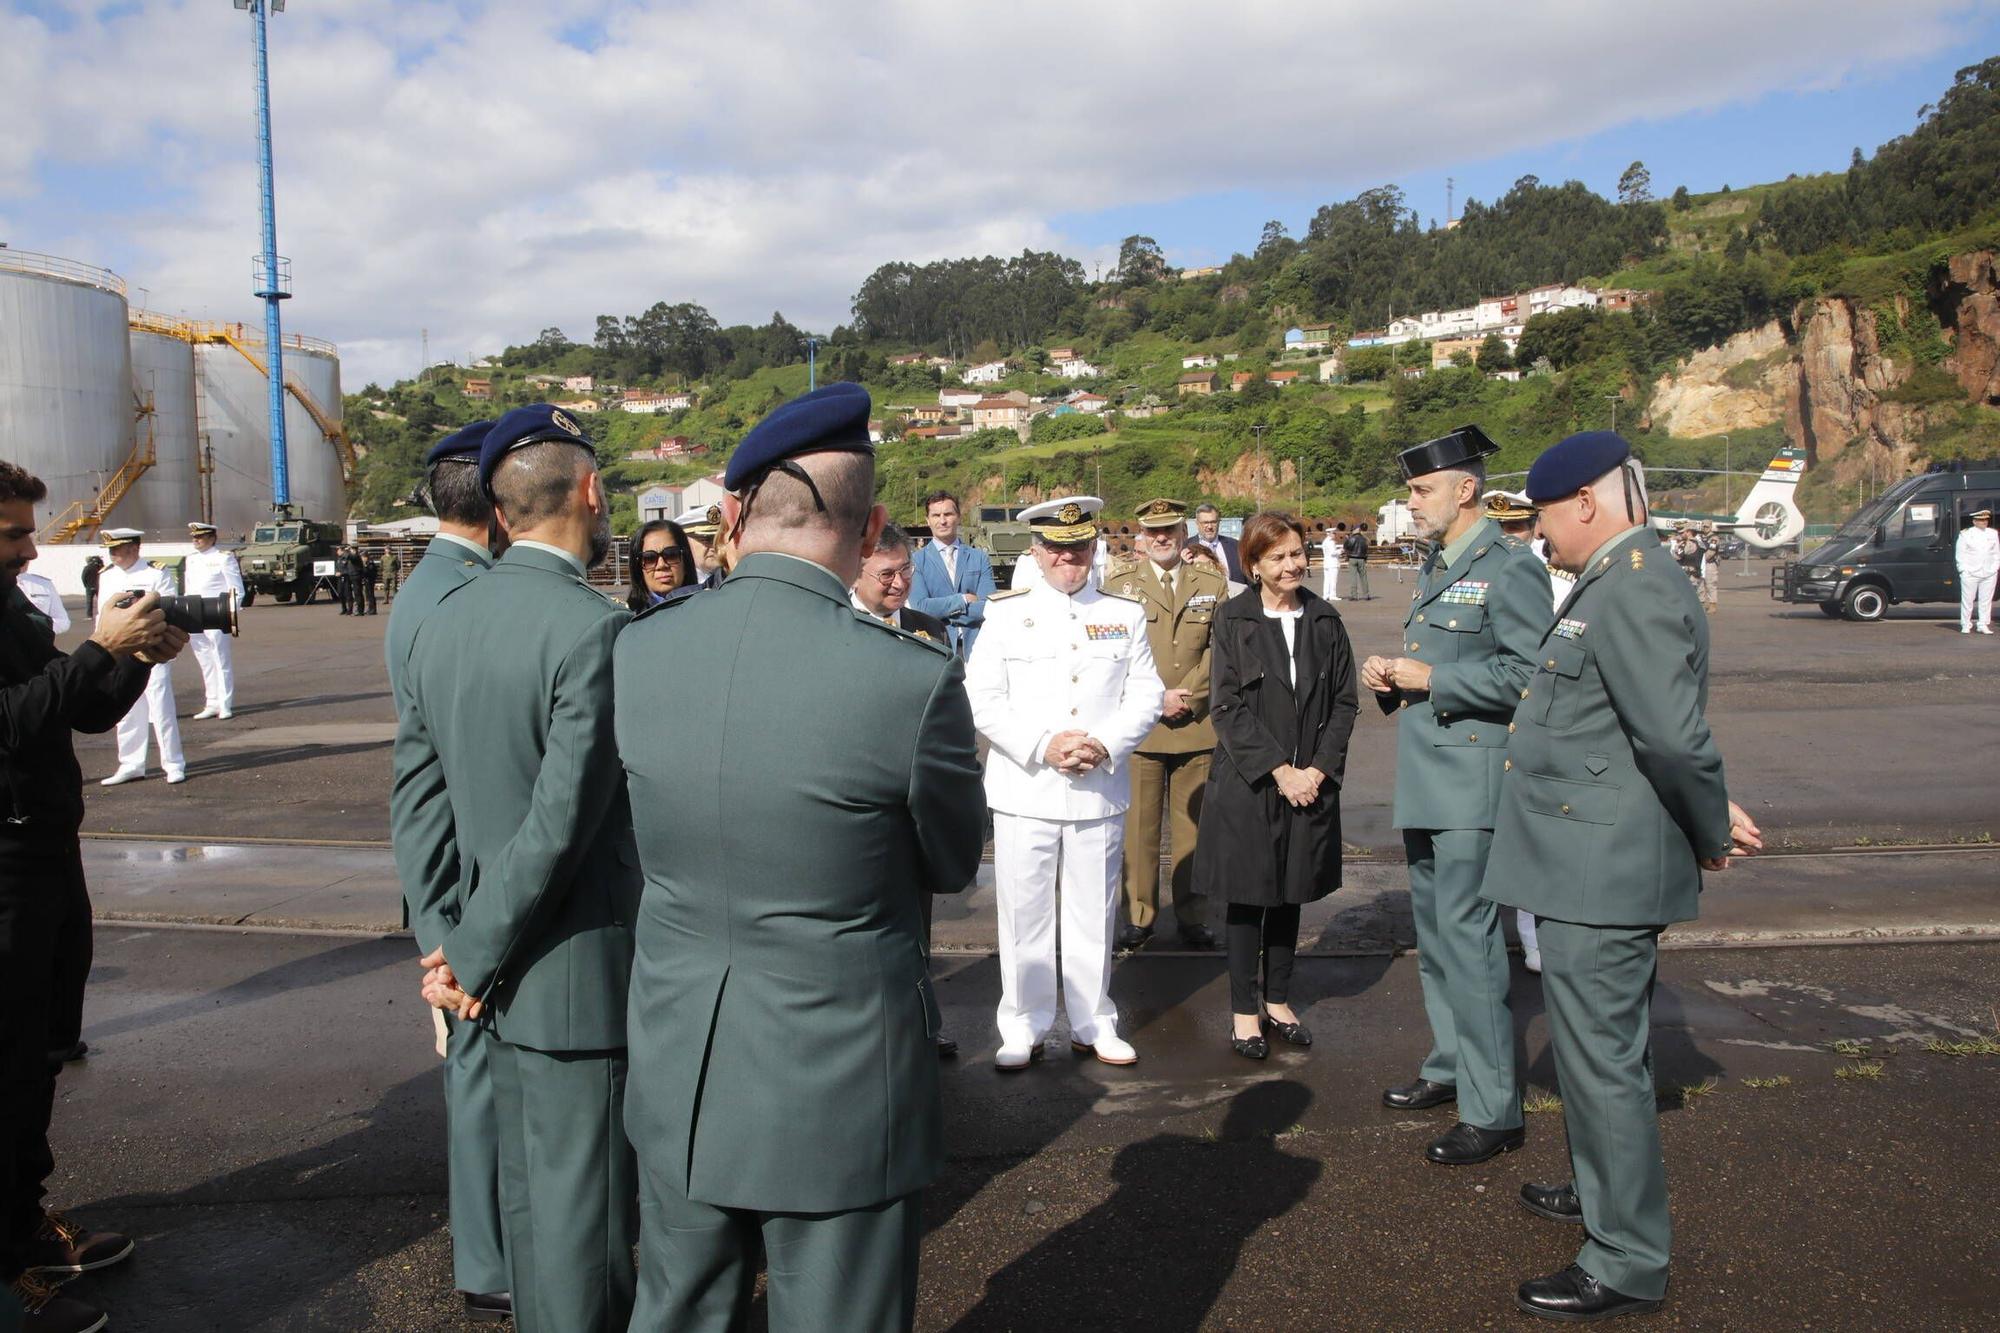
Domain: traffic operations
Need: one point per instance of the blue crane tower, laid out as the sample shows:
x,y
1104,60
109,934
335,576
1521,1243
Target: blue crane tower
x,y
273,275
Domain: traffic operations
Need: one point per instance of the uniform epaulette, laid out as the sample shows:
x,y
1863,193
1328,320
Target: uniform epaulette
x,y
1123,597
907,635
1005,594
1638,558
657,607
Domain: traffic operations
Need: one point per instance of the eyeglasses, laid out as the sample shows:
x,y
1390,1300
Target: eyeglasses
x,y
889,578
665,555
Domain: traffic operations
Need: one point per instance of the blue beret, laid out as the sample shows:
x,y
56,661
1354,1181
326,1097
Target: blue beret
x,y
831,418
523,426
1572,464
462,444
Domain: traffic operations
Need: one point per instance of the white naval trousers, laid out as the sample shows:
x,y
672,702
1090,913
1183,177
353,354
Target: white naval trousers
x,y
1330,579
154,709
1028,855
1975,594
218,672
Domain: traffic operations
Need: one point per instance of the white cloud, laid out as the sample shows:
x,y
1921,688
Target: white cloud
x,y
458,167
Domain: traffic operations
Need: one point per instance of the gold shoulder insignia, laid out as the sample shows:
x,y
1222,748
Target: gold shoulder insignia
x,y
1123,597
1638,558
1004,594
907,635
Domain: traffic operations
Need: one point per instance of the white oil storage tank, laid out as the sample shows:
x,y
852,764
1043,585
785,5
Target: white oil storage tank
x,y
236,434
66,407
168,495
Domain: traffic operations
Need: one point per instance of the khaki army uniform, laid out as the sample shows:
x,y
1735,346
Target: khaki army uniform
x,y
1613,792
1170,767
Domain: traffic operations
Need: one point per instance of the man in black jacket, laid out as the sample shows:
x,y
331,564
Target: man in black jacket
x,y
44,909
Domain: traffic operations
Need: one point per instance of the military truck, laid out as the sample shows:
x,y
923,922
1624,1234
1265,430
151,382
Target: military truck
x,y
998,531
280,557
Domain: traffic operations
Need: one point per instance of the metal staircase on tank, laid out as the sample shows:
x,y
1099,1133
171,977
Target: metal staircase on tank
x,y
66,526
331,429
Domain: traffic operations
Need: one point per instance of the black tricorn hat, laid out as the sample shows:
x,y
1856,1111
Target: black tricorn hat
x,y
1465,445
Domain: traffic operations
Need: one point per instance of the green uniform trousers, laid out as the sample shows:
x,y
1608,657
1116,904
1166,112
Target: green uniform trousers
x,y
853,1271
1462,961
1175,782
472,1131
1597,982
569,1187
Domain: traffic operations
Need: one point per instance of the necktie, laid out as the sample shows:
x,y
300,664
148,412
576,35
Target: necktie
x,y
1167,578
950,554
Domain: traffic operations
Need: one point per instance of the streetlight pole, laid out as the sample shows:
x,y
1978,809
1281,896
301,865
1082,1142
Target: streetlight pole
x,y
1725,476
273,281
812,364
1613,399
1258,430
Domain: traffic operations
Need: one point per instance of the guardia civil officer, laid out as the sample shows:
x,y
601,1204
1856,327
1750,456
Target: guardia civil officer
x,y
210,571
1064,690
428,862
1614,805
45,935
1479,609
507,722
1516,518
1170,767
816,778
154,713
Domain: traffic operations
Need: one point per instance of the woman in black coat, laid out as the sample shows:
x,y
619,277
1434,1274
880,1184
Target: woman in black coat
x,y
1282,697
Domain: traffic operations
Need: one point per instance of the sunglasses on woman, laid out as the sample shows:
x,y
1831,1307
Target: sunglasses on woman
x,y
665,555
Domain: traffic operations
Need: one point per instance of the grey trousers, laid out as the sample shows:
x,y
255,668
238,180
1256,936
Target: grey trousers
x,y
569,1187
1462,961
853,1271
1597,982
478,1254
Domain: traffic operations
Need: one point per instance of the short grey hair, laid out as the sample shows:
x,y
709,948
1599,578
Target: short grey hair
x,y
846,483
1201,509
892,540
1628,478
533,485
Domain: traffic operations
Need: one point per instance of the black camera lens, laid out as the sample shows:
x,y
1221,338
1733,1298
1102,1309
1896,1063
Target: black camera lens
x,y
195,615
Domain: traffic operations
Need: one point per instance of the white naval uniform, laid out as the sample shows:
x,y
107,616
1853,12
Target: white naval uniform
x,y
1047,663
154,708
1329,567
45,598
1978,565
211,573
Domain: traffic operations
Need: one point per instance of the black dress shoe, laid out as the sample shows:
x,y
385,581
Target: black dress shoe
x,y
1298,1034
1198,937
1558,1203
1133,937
1467,1145
947,1048
1250,1048
1574,1296
1421,1095
69,1053
490,1307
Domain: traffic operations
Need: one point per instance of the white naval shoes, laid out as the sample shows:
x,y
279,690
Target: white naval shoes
x,y
1109,1048
1985,629
1017,1053
123,776
224,714
207,712
1965,629
179,775
1532,960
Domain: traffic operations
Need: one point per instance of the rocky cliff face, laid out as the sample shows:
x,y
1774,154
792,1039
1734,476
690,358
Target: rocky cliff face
x,y
1741,385
1967,303
1242,482
1837,410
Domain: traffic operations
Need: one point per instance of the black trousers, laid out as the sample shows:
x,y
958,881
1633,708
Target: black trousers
x,y
1269,935
344,584
367,591
45,949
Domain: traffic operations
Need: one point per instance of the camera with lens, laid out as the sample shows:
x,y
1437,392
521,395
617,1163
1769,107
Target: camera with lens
x,y
194,614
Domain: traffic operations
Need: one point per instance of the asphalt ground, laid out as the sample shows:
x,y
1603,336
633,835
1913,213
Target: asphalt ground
x,y
1833,732
262,1112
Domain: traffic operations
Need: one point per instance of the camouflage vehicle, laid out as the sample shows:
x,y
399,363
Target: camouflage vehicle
x,y
998,530
279,559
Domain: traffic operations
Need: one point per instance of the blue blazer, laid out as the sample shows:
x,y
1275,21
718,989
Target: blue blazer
x,y
934,592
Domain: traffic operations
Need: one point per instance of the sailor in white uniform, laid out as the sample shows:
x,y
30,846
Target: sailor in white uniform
x,y
155,709
46,599
1978,554
211,572
1063,687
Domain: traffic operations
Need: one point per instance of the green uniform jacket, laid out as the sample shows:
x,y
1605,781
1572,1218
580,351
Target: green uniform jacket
x,y
1476,624
426,851
510,723
812,777
1178,635
1615,787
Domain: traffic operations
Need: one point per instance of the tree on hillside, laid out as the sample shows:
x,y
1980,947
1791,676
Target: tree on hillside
x,y
1141,261
1682,202
1493,354
1636,185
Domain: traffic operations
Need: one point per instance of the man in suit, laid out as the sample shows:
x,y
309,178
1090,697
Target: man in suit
x,y
508,724
1208,531
1481,605
784,1078
1613,805
45,936
1064,691
953,579
427,860
1170,767
883,591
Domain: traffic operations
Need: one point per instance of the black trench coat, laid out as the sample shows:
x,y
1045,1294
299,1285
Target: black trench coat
x,y
1255,847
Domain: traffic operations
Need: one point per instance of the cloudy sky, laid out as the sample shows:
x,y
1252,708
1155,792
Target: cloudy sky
x,y
483,169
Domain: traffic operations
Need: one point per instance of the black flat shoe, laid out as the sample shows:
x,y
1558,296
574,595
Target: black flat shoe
x,y
1575,1297
1468,1145
488,1306
1250,1048
1298,1034
947,1047
1421,1095
1558,1203
1133,937
1198,937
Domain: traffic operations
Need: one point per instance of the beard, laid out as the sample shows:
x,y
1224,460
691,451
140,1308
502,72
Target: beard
x,y
600,540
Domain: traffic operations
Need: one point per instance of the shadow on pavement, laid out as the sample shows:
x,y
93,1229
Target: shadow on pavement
x,y
1158,1251
284,981
248,760
309,701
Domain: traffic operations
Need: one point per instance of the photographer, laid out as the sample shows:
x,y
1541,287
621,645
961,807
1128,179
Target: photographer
x,y
44,909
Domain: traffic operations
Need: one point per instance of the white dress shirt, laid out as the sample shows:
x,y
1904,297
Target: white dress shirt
x,y
1978,552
